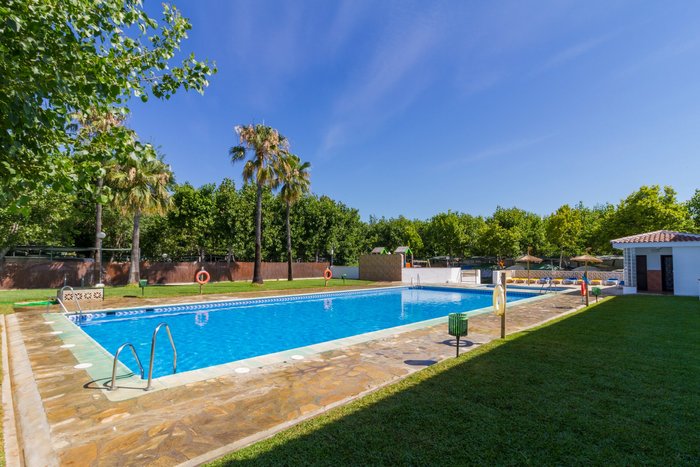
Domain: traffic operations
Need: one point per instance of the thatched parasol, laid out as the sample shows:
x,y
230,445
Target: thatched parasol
x,y
585,259
528,258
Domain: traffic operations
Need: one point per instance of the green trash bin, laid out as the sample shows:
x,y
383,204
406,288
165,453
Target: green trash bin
x,y
458,326
143,283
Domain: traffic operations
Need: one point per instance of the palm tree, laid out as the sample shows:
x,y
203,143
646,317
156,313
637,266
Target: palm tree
x,y
94,128
267,146
295,179
141,187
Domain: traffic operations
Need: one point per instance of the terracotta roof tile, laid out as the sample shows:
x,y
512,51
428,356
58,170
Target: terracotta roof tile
x,y
659,236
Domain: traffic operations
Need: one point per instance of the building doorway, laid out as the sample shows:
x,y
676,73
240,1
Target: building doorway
x,y
667,273
642,273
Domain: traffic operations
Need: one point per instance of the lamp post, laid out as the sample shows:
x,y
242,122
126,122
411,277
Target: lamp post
x,y
332,251
98,263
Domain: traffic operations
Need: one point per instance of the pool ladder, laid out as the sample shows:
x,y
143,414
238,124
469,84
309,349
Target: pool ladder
x,y
112,385
75,299
417,281
547,286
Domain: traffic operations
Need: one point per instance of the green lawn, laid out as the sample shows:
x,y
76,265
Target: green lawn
x,y
9,297
617,384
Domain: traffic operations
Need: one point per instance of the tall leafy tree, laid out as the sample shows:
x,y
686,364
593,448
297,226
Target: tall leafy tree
x,y
445,234
141,187
62,58
294,175
496,240
694,209
46,222
647,209
395,232
526,226
191,220
266,146
563,229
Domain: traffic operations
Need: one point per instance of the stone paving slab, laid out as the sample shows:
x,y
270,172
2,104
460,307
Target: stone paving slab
x,y
187,422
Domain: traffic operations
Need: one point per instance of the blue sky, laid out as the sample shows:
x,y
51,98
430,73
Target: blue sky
x,y
419,107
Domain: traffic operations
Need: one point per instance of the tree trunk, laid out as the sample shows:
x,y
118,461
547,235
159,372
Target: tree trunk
x,y
257,267
289,245
561,258
98,229
134,272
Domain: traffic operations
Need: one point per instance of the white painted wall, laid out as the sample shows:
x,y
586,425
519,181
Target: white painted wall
x,y
431,275
686,270
654,256
470,276
351,272
496,275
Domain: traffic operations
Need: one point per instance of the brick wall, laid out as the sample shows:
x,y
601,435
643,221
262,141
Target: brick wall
x,y
654,281
380,267
537,274
28,274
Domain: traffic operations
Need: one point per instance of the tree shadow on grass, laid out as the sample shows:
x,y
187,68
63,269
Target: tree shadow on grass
x,y
598,387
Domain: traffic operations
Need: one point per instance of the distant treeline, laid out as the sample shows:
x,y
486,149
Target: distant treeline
x,y
217,221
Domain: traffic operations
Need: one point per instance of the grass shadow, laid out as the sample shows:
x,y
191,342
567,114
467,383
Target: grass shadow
x,y
616,384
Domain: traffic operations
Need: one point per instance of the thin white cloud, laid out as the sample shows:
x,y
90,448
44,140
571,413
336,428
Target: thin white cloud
x,y
345,20
394,76
500,149
573,52
662,54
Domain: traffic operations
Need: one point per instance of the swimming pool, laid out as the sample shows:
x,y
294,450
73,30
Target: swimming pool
x,y
209,334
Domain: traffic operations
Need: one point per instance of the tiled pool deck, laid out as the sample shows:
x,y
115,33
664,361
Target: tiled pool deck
x,y
193,422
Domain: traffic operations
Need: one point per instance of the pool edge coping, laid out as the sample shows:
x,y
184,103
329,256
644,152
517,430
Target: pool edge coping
x,y
101,358
222,451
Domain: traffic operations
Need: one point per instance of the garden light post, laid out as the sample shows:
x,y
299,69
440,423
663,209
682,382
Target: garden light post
x,y
98,260
332,251
503,316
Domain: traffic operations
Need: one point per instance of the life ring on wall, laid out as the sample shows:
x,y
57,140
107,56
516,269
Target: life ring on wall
x,y
202,280
328,274
499,302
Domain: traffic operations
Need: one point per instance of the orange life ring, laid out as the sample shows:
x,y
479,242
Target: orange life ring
x,y
199,275
327,274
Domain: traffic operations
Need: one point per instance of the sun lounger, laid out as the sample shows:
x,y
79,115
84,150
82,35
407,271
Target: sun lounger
x,y
570,281
612,281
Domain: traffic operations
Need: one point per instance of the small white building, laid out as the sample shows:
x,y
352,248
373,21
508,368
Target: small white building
x,y
661,261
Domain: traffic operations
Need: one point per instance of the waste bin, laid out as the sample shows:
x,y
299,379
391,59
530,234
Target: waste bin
x,y
458,326
143,283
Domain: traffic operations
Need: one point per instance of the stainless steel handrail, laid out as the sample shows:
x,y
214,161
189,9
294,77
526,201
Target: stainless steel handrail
x,y
60,302
153,351
75,299
116,359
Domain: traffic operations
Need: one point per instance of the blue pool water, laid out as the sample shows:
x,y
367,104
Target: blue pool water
x,y
212,334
